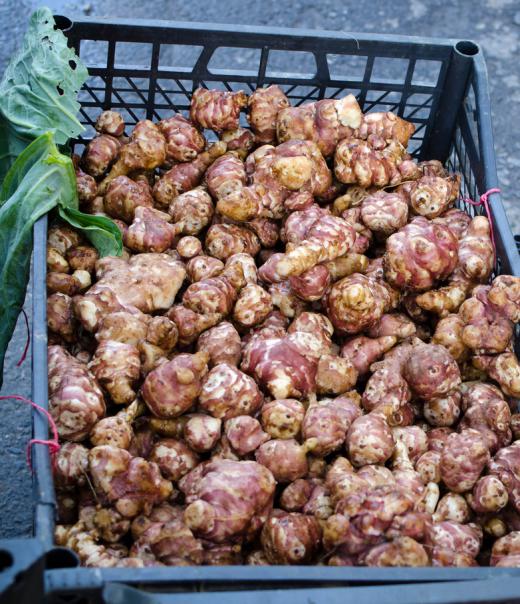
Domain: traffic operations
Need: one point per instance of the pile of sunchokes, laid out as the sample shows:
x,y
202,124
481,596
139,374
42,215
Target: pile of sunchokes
x,y
302,357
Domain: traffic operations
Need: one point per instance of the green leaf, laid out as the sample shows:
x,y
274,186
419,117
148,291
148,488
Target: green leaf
x,y
11,145
26,160
40,180
99,230
39,89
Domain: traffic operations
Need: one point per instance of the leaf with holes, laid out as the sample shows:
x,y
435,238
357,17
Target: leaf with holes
x,y
38,91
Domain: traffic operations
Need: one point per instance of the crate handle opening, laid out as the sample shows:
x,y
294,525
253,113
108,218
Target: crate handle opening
x,y
6,560
61,557
63,23
467,48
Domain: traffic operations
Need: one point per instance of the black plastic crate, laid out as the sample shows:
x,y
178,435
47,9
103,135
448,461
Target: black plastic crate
x,y
439,84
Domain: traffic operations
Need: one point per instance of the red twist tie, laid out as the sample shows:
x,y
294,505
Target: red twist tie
x,y
27,341
483,201
53,443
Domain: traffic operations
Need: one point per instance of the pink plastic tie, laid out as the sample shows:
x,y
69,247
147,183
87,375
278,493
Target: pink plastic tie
x,y
53,443
27,341
484,201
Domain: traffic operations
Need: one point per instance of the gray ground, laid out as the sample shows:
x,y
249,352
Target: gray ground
x,y
495,24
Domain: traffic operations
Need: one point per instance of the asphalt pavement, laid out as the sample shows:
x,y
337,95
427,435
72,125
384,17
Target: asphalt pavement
x,y
494,24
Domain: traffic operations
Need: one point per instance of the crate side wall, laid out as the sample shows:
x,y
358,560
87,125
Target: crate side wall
x,y
472,156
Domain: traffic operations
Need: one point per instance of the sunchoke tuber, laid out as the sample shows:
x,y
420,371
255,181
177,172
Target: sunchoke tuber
x,y
357,302
172,388
216,109
264,106
76,402
226,499
324,122
419,255
116,366
222,343
174,458
185,176
283,418
183,141
147,282
290,538
384,213
132,484
123,196
245,434
286,459
504,369
227,392
327,421
146,150
463,458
